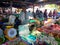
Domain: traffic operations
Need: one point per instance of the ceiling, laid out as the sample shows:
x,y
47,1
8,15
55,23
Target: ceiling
x,y
24,3
28,0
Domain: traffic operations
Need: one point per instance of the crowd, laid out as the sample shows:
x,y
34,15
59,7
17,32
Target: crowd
x,y
25,16
46,15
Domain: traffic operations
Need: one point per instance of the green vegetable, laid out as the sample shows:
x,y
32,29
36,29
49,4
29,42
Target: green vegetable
x,y
32,21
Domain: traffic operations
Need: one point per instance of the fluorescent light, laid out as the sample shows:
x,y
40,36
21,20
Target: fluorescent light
x,y
40,0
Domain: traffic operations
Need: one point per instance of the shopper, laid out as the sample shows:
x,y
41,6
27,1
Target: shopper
x,y
34,15
22,16
54,14
5,19
1,11
41,16
12,19
50,14
1,22
29,15
37,13
45,14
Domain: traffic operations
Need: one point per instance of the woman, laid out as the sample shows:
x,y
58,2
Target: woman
x,y
45,14
54,14
50,14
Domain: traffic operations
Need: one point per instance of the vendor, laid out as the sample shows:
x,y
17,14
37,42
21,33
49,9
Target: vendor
x,y
17,23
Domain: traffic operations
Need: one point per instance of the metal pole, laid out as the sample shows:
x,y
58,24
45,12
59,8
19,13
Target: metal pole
x,y
33,7
33,10
11,6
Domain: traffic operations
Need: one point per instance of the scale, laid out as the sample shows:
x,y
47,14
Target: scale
x,y
10,33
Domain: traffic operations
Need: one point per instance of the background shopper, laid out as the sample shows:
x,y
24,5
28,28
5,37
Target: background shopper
x,y
54,14
45,14
50,14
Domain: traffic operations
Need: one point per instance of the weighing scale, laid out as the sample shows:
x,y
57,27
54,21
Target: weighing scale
x,y
10,33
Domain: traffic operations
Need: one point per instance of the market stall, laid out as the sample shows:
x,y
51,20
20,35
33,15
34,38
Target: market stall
x,y
22,28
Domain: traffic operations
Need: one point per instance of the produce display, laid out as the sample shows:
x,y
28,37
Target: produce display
x,y
53,30
36,32
30,25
